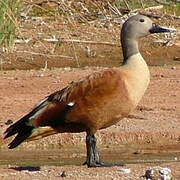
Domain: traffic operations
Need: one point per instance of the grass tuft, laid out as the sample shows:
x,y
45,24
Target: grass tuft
x,y
9,10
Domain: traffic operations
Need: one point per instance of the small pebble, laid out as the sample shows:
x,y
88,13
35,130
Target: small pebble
x,y
63,174
67,68
173,67
136,152
125,170
8,122
158,173
41,75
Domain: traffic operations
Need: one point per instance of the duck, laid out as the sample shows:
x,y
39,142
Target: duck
x,y
95,102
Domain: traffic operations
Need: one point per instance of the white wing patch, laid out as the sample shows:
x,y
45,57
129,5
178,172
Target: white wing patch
x,y
71,104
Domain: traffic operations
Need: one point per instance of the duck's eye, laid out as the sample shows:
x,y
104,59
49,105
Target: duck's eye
x,y
141,20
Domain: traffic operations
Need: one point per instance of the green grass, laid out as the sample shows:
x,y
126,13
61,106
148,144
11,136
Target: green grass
x,y
172,7
9,10
133,4
74,11
43,10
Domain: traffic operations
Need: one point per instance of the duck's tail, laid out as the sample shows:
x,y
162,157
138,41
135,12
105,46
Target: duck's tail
x,y
26,130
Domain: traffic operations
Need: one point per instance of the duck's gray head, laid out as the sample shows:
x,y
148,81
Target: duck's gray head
x,y
134,28
139,26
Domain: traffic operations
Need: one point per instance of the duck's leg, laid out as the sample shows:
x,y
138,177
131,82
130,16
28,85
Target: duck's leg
x,y
93,158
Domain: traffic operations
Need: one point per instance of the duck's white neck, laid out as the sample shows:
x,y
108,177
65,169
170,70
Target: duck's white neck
x,y
138,76
136,63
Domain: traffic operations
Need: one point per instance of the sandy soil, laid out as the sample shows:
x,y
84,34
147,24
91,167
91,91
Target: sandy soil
x,y
154,124
81,172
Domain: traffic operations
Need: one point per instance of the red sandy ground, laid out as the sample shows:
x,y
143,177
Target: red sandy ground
x,y
155,122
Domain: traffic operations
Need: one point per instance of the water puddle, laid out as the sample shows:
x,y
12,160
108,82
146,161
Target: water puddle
x,y
70,156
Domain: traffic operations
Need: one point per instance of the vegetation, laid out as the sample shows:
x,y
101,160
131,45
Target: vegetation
x,y
76,7
9,9
56,33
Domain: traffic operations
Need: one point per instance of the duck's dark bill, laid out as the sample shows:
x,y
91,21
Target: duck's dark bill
x,y
159,29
